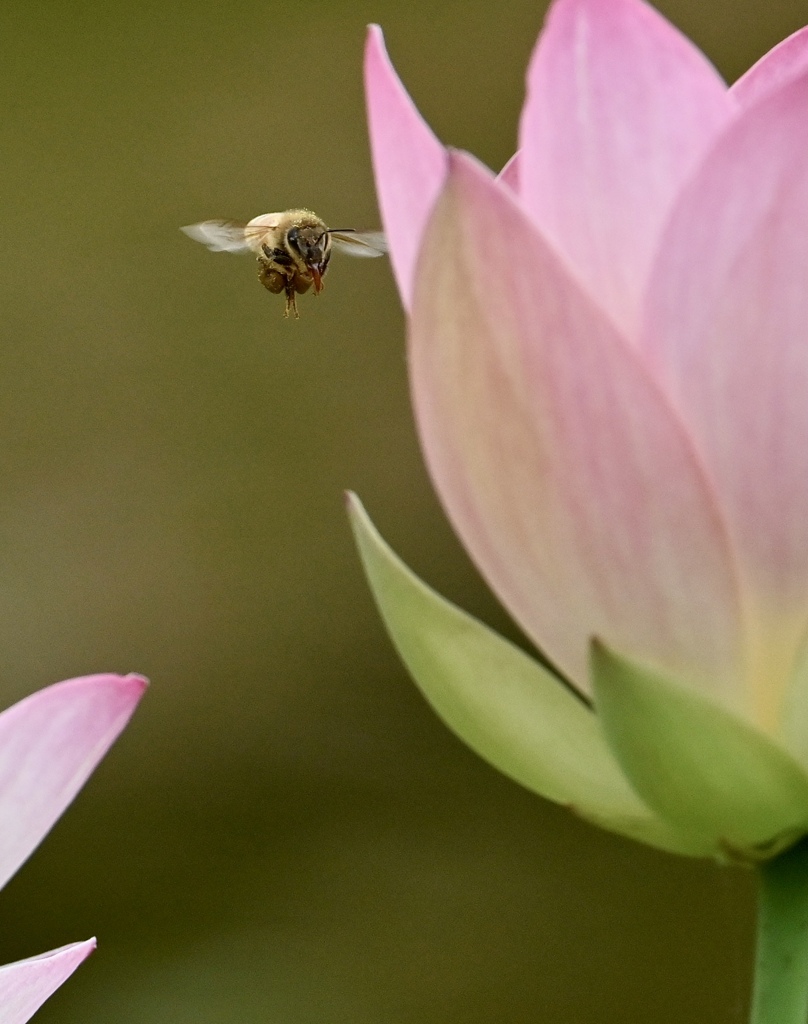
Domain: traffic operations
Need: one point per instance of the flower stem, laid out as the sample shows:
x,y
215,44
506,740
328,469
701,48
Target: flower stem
x,y
781,969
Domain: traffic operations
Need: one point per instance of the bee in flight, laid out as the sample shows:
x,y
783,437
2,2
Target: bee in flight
x,y
293,248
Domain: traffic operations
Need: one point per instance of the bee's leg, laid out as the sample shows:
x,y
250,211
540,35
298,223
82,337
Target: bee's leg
x,y
291,305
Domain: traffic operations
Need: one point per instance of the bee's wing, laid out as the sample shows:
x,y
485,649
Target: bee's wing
x,y
359,243
220,235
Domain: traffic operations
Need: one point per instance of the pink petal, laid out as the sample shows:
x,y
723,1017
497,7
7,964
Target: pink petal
x,y
408,160
619,109
568,479
787,60
727,328
49,744
25,985
509,175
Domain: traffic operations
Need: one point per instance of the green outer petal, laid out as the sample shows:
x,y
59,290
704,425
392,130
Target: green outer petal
x,y
701,768
507,707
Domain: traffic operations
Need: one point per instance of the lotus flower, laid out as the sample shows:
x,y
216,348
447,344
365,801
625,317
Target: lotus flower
x,y
49,744
608,348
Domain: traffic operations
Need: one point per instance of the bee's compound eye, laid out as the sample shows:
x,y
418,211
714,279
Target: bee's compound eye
x,y
292,236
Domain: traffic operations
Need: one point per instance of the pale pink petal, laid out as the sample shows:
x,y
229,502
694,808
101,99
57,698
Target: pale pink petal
x,y
727,331
408,161
787,60
620,107
49,744
509,175
25,985
567,477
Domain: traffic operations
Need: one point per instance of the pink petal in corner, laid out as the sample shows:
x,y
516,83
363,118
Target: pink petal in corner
x,y
49,744
26,984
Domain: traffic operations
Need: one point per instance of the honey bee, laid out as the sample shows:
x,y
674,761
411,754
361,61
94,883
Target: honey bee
x,y
293,248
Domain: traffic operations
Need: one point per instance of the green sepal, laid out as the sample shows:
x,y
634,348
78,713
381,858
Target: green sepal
x,y
701,768
506,706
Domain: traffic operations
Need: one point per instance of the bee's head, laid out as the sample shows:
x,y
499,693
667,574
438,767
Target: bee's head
x,y
312,246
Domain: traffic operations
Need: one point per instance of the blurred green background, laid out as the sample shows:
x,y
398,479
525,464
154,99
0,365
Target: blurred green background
x,y
285,833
